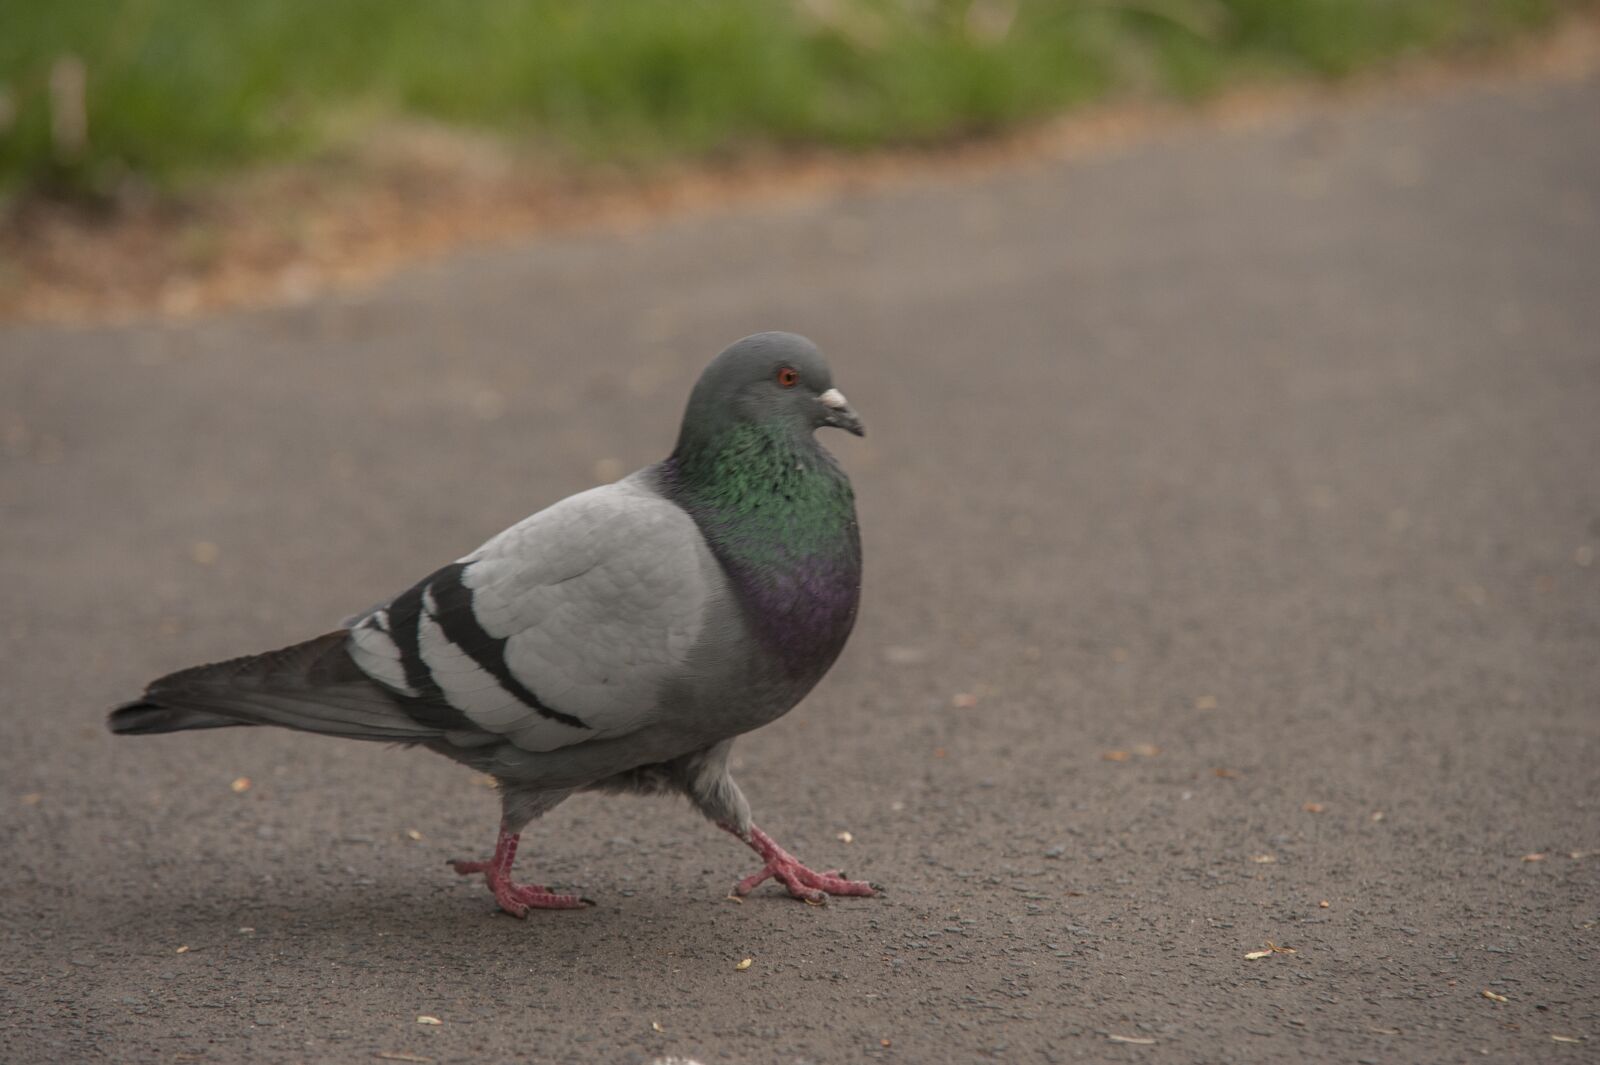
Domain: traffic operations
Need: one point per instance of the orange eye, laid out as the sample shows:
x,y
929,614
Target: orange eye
x,y
788,377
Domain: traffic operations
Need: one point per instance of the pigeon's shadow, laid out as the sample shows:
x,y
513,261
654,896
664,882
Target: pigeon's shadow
x,y
405,923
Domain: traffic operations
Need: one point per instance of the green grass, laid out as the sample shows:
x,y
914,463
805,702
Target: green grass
x,y
181,89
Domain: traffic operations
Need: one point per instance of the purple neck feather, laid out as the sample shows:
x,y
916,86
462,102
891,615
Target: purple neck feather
x,y
790,546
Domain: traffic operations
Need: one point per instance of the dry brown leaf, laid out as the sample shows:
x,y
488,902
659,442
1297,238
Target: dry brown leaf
x,y
1280,950
1323,904
1225,774
240,784
1313,807
1115,756
413,834
656,1025
1491,996
425,1019
734,898
182,950
744,963
1255,954
885,1043
1136,1040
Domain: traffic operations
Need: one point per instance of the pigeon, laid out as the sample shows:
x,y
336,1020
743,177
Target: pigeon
x,y
617,641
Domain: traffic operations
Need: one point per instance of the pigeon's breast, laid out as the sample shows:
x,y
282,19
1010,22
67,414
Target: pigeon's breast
x,y
803,613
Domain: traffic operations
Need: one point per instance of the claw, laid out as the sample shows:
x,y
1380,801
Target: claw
x,y
514,898
804,884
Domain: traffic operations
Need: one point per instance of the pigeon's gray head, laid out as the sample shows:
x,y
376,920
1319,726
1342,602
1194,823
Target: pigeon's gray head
x,y
771,380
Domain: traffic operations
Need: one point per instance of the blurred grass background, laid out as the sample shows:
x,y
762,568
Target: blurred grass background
x,y
99,93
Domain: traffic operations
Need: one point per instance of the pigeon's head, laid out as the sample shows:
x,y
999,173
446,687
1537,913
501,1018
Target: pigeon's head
x,y
770,379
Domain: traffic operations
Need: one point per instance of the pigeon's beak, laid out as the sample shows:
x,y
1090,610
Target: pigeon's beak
x,y
838,413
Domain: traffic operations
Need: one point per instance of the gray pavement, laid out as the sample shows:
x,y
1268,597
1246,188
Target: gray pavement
x,y
1232,514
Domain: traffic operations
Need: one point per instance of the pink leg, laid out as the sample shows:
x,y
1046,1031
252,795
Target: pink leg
x,y
514,898
802,883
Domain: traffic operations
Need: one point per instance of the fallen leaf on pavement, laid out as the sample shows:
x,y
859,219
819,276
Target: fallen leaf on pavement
x,y
1225,774
1271,949
1115,756
1491,996
1566,1039
240,784
1136,1040
1313,807
744,963
425,1019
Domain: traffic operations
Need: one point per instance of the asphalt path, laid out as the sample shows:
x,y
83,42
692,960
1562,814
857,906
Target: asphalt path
x,y
1232,512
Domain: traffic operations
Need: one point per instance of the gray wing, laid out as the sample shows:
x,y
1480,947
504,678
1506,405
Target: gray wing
x,y
566,627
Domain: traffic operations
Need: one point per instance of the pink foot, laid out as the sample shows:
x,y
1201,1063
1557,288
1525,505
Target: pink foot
x,y
803,883
514,898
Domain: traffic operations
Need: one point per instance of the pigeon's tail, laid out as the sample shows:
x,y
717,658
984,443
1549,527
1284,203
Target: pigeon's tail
x,y
312,686
145,718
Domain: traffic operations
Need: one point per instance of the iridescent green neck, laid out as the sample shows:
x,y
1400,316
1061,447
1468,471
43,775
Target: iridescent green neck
x,y
765,494
780,516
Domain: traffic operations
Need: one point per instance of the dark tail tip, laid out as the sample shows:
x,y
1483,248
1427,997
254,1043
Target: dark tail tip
x,y
147,718
142,716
